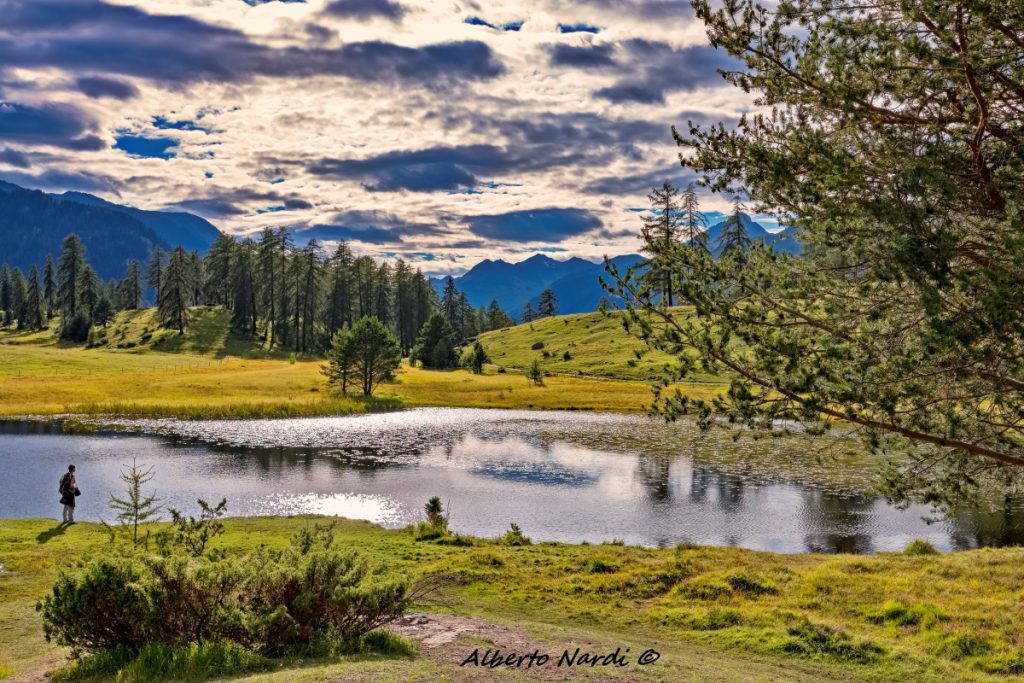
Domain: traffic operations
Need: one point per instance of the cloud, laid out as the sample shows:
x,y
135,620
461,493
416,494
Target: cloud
x,y
535,225
646,9
12,157
442,168
371,227
582,57
656,68
91,35
59,125
363,10
98,86
57,180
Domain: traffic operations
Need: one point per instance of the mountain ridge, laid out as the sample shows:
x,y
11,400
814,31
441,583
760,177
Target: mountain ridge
x,y
33,224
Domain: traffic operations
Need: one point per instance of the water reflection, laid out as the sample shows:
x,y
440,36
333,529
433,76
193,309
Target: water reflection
x,y
559,476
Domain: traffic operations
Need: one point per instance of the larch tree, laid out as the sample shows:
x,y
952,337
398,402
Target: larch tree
x,y
661,231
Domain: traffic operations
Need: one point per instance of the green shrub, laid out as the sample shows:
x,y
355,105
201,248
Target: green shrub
x,y
920,547
514,536
110,603
535,373
268,601
77,329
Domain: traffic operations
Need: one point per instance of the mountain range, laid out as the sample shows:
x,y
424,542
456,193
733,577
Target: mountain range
x,y
575,280
34,223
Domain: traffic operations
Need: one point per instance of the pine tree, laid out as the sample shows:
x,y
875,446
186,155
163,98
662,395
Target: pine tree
x,y
374,353
244,312
693,225
311,273
50,286
103,311
218,271
284,323
477,358
155,270
734,239
130,288
464,317
195,266
547,303
529,315
175,291
404,305
435,345
450,303
496,317
340,369
135,508
339,307
267,265
88,291
19,293
5,295
33,316
69,269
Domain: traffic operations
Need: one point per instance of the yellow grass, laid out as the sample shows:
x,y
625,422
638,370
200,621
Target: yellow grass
x,y
133,367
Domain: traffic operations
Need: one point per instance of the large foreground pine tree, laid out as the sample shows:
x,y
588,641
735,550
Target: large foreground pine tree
x,y
892,140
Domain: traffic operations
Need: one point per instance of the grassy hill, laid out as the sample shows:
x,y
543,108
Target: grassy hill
x,y
585,344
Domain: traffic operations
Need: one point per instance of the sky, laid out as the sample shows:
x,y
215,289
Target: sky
x,y
441,132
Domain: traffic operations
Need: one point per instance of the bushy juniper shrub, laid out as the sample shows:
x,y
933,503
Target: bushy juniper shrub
x,y
269,601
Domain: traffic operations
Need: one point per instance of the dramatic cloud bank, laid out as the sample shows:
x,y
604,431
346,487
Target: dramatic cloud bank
x,y
426,130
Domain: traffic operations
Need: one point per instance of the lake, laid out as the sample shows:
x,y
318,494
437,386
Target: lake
x,y
561,476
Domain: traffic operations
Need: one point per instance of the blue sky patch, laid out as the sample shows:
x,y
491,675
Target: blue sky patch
x,y
146,148
578,28
164,123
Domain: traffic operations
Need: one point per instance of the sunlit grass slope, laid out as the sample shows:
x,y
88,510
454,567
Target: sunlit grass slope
x,y
588,344
715,614
133,367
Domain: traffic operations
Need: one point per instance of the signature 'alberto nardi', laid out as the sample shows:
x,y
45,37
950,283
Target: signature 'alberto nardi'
x,y
495,659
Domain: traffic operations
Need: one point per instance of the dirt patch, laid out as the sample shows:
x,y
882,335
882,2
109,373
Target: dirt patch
x,y
449,640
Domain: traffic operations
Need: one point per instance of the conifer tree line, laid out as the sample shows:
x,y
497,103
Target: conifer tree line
x,y
676,221
278,293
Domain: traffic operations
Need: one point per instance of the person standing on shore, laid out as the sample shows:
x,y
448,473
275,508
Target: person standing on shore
x,y
68,490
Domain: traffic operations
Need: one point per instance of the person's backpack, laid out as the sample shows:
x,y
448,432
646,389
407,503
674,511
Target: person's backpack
x,y
62,485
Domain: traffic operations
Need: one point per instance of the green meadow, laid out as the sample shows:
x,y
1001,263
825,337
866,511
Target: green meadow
x,y
714,614
132,367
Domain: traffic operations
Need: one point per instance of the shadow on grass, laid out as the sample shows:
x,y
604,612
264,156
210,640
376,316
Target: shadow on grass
x,y
45,536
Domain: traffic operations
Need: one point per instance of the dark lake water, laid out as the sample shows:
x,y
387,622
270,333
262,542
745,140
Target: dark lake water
x,y
561,476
